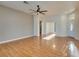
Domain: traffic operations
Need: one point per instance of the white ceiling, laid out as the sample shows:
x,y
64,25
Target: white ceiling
x,y
53,7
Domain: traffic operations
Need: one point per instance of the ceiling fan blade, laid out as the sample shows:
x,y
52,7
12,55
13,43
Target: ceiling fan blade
x,y
26,2
32,10
44,11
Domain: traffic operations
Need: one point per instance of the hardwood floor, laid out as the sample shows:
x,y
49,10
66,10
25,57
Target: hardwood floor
x,y
36,47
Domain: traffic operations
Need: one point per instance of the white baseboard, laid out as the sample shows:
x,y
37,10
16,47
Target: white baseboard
x,y
15,39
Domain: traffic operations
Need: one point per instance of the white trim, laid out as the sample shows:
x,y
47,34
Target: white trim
x,y
15,39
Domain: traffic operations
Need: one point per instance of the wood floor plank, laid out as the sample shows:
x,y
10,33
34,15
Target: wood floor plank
x,y
38,47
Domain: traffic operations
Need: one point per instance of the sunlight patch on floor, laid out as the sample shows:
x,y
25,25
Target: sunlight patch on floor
x,y
49,37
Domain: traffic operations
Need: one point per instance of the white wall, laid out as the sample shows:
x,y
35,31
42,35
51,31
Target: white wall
x,y
45,21
36,25
63,24
14,24
77,22
60,24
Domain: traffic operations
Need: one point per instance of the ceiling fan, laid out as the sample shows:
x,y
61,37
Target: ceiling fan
x,y
38,10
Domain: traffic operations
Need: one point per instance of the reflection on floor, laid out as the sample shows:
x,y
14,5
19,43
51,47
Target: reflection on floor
x,y
73,50
36,46
49,37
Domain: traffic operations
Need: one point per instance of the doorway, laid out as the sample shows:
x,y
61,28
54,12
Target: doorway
x,y
70,24
50,27
40,28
